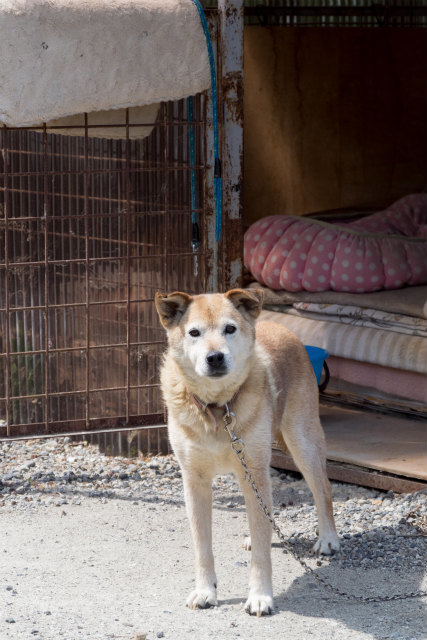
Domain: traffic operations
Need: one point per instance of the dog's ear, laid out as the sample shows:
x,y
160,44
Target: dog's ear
x,y
171,307
247,300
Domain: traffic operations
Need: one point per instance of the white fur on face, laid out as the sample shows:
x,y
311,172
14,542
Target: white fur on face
x,y
212,339
210,322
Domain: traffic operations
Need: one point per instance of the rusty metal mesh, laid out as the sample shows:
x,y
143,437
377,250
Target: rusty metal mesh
x,y
90,228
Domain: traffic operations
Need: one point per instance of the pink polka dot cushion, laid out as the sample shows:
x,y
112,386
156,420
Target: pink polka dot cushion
x,y
386,250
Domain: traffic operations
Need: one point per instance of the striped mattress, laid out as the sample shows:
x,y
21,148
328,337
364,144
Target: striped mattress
x,y
364,344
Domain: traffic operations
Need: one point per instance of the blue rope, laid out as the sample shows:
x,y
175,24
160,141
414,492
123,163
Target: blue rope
x,y
217,170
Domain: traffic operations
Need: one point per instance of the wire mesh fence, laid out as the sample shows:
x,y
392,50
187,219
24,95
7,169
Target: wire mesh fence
x,y
90,228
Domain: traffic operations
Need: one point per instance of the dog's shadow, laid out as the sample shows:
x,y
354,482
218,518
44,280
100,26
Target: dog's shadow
x,y
367,576
405,619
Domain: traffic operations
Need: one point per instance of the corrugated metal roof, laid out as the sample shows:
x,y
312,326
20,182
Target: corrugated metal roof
x,y
334,13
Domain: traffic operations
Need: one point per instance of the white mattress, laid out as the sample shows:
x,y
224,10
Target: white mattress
x,y
377,346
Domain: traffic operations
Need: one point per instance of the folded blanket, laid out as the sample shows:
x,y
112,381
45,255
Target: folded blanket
x,y
73,56
411,301
361,317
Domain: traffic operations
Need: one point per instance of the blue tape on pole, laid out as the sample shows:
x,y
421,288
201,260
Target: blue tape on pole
x,y
218,199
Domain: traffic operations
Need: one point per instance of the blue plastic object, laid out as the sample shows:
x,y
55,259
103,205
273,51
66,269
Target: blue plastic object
x,y
317,357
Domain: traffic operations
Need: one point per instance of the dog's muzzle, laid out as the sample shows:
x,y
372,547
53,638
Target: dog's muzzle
x,y
217,365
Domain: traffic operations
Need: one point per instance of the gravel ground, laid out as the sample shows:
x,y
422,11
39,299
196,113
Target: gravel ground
x,y
96,547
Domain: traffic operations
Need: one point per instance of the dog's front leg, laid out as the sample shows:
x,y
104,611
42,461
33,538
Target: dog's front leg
x,y
198,501
260,600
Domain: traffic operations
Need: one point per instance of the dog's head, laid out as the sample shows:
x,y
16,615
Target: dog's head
x,y
210,336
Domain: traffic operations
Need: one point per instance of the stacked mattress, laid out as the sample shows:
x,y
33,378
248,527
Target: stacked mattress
x,y
377,341
357,290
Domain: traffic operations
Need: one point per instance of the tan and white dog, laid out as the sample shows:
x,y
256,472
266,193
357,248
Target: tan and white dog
x,y
218,354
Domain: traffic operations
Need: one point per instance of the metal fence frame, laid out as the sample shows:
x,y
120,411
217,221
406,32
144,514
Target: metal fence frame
x,y
108,214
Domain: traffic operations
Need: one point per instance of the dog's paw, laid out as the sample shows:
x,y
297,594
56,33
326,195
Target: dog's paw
x,y
247,546
202,598
327,545
259,605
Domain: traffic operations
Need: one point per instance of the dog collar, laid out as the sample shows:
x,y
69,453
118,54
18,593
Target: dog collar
x,y
207,407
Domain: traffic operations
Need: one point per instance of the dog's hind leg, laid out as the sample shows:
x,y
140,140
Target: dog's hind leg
x,y
198,501
308,449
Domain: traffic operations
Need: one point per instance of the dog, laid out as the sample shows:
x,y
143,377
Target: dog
x,y
219,357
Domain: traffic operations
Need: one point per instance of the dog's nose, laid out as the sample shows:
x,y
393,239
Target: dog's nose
x,y
215,359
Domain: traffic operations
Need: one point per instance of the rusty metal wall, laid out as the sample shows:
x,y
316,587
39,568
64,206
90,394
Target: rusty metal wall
x,y
89,230
333,13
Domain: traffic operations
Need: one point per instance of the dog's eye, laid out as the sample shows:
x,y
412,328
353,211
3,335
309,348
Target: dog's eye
x,y
230,328
194,333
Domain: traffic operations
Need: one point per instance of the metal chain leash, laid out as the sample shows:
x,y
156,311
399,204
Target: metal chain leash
x,y
417,521
238,447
